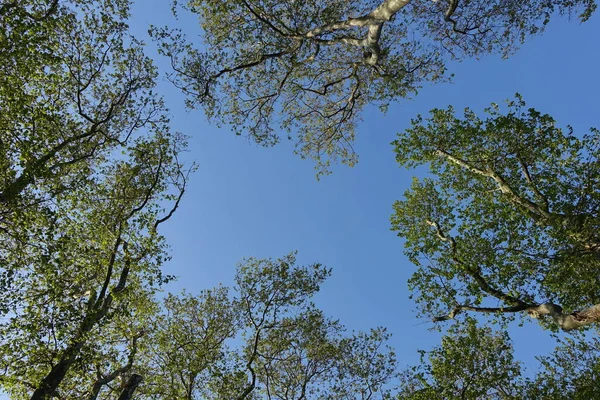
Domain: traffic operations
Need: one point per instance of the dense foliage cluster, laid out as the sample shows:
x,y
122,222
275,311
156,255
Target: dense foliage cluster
x,y
307,69
509,220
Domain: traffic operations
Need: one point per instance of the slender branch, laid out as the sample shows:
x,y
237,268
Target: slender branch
x,y
35,168
529,179
263,19
110,267
490,310
516,303
535,209
119,371
260,60
248,389
182,188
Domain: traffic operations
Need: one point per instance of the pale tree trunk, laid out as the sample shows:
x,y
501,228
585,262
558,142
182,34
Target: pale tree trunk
x,y
567,322
374,20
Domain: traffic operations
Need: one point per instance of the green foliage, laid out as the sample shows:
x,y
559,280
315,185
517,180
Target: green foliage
x,y
307,69
572,371
268,340
185,344
87,166
89,171
509,218
472,363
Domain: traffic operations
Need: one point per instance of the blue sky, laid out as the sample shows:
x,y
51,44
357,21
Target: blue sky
x,y
246,200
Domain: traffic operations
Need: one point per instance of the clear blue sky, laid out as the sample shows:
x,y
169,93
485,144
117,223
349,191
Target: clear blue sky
x,y
246,200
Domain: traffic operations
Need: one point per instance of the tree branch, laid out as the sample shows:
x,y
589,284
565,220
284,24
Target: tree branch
x,y
130,387
535,209
119,371
517,304
458,309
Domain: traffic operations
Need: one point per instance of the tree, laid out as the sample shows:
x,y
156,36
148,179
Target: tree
x,y
508,222
284,346
186,345
570,372
89,278
308,68
475,362
89,171
472,363
75,87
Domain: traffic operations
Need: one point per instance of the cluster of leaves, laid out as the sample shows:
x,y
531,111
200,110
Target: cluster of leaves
x,y
475,362
471,363
572,371
87,165
267,340
509,219
307,69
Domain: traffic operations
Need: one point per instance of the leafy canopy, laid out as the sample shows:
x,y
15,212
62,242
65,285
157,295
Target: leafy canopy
x,y
508,220
88,171
307,69
267,340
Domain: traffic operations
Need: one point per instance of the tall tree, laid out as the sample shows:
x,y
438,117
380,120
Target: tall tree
x,y
88,165
508,223
477,363
308,68
267,341
471,363
87,282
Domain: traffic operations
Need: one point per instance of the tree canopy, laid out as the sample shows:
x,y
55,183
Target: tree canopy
x,y
475,362
508,221
284,347
471,363
505,224
90,170
307,69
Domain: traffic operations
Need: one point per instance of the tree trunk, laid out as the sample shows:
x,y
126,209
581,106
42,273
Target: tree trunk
x,y
130,387
50,383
